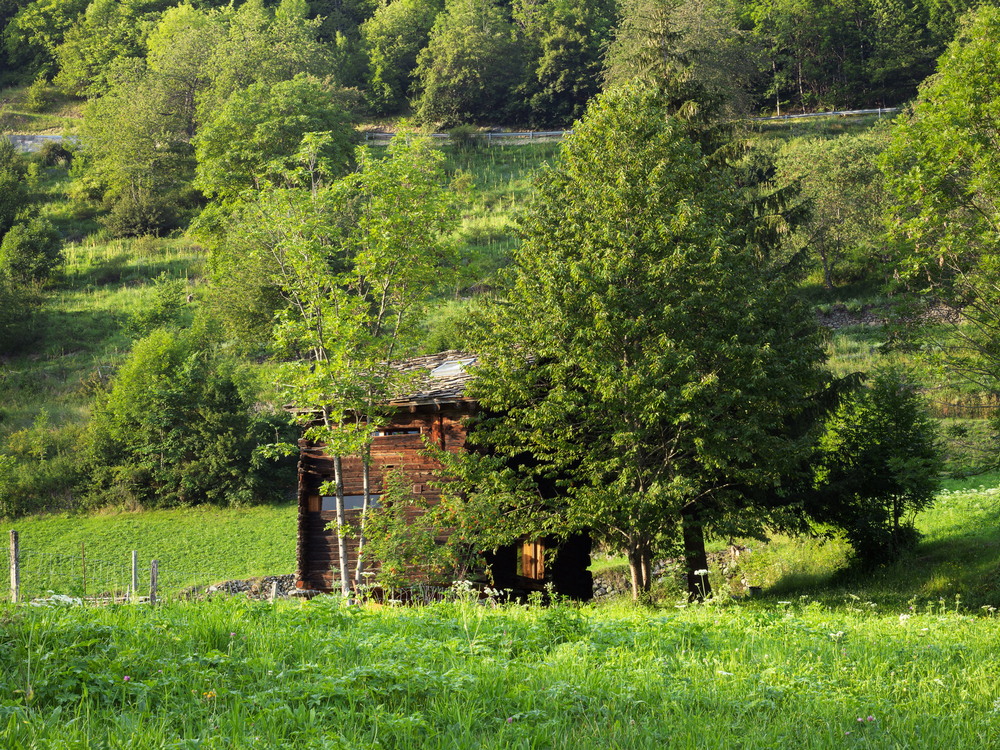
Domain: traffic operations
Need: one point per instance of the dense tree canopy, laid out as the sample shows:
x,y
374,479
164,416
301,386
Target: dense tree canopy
x,y
178,427
645,355
536,58
393,38
255,138
845,190
470,65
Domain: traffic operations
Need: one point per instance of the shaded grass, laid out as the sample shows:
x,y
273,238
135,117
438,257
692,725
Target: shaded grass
x,y
814,127
502,181
958,555
80,332
60,113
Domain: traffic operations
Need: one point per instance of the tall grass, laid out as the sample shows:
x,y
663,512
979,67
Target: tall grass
x,y
500,182
235,673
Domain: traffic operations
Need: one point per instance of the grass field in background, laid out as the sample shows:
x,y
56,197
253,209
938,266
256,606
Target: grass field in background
x,y
195,546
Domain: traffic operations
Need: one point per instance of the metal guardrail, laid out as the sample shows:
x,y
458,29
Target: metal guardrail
x,y
836,113
382,138
27,143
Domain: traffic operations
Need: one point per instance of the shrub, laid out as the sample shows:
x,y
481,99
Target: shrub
x,y
55,154
38,95
162,310
13,191
140,213
31,251
878,466
466,138
17,302
179,427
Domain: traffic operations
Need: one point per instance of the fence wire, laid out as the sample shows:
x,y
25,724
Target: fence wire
x,y
100,581
45,574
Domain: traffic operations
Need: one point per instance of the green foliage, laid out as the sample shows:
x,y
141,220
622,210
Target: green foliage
x,y
36,32
393,37
163,310
828,54
400,538
137,154
13,190
38,95
449,326
845,191
640,274
17,304
55,154
469,66
566,41
354,296
140,212
108,35
465,138
943,176
256,138
31,251
695,46
878,466
178,58
178,427
942,169
262,45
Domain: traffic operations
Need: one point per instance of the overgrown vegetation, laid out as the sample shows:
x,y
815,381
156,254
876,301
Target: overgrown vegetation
x,y
230,126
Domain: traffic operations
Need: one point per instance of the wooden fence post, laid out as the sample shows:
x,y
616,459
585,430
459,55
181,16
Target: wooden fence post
x,y
83,563
15,567
135,576
154,573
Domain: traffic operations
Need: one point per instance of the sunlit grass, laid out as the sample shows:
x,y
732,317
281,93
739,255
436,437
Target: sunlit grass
x,y
794,673
195,546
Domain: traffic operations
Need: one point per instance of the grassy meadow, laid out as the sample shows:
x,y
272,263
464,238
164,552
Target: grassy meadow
x,y
194,546
825,658
241,674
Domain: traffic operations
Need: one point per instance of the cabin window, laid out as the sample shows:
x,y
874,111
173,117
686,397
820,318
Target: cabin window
x,y
398,431
351,502
531,561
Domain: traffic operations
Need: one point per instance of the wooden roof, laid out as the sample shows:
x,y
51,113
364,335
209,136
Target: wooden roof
x,y
437,379
440,378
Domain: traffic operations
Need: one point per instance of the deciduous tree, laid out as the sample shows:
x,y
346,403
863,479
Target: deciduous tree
x,y
354,262
469,66
943,175
646,360
254,139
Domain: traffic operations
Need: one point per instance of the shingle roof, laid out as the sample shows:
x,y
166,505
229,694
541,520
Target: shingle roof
x,y
440,377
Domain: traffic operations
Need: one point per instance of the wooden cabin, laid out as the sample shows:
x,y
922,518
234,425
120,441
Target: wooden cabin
x,y
437,410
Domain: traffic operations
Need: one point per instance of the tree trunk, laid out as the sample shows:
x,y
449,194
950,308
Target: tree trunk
x,y
366,492
338,476
639,567
695,557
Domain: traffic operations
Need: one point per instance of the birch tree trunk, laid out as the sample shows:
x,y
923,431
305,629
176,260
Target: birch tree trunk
x,y
338,476
366,461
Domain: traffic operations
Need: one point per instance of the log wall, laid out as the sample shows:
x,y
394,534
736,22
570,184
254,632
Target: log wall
x,y
318,550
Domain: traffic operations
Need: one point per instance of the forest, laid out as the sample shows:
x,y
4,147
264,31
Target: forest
x,y
213,240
